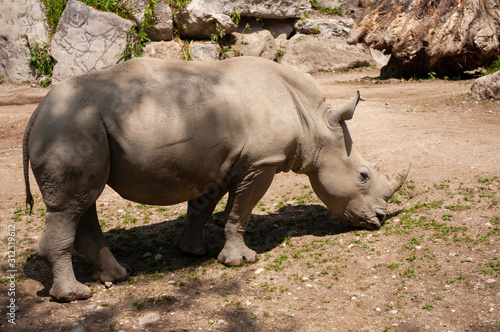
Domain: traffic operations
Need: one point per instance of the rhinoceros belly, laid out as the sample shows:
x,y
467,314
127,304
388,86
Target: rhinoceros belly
x,y
170,172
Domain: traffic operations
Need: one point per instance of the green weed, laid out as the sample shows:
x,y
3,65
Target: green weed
x,y
235,16
393,265
495,66
41,60
327,10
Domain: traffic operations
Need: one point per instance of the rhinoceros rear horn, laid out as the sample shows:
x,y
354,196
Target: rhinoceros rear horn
x,y
345,112
397,180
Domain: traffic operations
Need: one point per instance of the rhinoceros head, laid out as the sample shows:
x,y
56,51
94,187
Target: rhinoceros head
x,y
343,180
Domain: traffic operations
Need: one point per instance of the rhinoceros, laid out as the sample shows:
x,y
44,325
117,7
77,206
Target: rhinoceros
x,y
163,132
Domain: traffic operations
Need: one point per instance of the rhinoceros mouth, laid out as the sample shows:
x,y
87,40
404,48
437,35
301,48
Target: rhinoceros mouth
x,y
373,223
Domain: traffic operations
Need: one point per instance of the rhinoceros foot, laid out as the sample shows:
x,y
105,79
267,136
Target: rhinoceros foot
x,y
237,256
69,291
120,272
191,249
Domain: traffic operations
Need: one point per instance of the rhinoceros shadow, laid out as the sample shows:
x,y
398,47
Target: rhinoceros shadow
x,y
141,246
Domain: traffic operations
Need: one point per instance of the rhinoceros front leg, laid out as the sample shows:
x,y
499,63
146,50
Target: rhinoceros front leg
x,y
242,200
55,248
199,210
90,242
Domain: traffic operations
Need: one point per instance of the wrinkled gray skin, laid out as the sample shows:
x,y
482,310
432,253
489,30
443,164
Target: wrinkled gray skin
x,y
161,132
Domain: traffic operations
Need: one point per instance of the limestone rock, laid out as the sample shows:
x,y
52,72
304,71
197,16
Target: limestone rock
x,y
445,37
22,23
87,40
259,44
204,51
171,50
325,27
163,26
486,87
199,22
14,59
23,17
269,8
332,3
352,8
255,8
312,54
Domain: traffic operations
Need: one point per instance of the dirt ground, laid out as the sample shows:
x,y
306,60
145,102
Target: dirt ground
x,y
433,266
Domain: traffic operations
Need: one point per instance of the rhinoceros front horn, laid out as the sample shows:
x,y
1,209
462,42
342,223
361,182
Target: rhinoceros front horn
x,y
397,180
346,111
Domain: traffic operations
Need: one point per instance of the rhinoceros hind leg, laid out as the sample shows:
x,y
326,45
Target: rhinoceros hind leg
x,y
90,242
199,210
55,248
242,200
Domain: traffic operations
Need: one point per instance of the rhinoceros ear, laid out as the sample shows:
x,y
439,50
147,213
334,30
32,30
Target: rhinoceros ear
x,y
345,112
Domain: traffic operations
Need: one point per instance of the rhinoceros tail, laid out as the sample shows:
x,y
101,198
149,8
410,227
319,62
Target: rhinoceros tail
x,y
26,162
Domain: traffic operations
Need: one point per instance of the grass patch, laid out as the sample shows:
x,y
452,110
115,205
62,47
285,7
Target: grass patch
x,y
495,66
327,10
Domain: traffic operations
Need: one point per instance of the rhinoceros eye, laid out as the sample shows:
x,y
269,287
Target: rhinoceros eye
x,y
364,176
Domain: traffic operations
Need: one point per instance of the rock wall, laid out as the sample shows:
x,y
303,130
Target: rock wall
x,y
87,39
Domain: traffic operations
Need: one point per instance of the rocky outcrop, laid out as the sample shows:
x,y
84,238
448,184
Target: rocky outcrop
x,y
22,23
86,40
200,18
163,26
445,37
280,9
486,87
312,54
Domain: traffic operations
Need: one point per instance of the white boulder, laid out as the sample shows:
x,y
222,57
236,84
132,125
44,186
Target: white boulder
x,y
87,40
